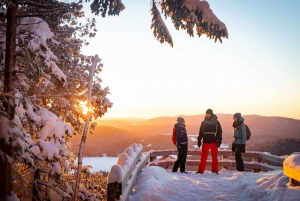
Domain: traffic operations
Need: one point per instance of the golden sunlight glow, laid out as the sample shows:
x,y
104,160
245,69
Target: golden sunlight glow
x,y
84,108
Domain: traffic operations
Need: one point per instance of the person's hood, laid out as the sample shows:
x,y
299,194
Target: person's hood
x,y
179,125
213,117
242,119
212,121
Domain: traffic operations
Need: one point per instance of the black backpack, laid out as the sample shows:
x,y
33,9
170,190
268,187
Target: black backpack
x,y
248,132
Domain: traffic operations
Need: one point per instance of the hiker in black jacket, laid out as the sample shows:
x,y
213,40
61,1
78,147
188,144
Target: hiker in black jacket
x,y
182,145
211,135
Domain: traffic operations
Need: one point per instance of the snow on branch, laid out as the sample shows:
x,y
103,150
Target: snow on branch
x,y
191,15
40,33
160,29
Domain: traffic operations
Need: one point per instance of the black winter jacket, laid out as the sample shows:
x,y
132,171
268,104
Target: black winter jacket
x,y
181,135
210,133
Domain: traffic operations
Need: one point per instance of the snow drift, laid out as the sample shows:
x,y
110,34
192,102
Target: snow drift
x,y
155,183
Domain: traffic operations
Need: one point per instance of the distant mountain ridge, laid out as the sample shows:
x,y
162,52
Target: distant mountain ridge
x,y
113,136
259,124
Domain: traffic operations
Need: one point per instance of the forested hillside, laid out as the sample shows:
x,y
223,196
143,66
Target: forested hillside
x,y
279,147
113,136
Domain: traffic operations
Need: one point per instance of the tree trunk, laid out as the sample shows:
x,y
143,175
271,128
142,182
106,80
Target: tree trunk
x,y
86,127
9,87
35,188
80,156
5,173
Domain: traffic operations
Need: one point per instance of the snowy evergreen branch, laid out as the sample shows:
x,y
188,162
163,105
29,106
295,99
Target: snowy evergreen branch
x,y
160,30
187,15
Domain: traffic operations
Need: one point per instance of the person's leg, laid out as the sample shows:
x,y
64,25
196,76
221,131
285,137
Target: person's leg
x,y
241,159
238,159
204,154
182,165
214,157
242,164
237,155
179,159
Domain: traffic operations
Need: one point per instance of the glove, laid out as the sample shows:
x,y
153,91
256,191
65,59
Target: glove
x,y
199,144
219,144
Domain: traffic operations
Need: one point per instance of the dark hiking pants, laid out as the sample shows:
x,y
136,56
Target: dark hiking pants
x,y
181,158
240,148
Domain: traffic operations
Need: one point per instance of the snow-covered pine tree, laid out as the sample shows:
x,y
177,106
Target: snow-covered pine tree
x,y
50,82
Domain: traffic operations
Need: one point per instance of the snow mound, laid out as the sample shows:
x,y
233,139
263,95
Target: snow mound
x,y
155,177
116,174
157,184
293,161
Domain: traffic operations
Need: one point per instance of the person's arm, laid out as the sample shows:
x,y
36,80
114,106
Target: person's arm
x,y
200,136
244,134
178,136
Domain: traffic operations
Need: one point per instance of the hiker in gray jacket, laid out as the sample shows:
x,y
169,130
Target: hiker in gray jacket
x,y
239,140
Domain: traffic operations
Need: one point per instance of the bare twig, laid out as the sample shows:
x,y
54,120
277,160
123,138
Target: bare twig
x,y
30,15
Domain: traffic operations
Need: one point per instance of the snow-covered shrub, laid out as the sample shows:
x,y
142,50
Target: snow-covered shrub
x,y
93,184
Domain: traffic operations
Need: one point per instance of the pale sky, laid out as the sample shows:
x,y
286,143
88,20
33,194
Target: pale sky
x,y
255,71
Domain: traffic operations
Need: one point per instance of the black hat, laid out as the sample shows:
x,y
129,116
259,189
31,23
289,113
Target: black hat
x,y
180,120
209,111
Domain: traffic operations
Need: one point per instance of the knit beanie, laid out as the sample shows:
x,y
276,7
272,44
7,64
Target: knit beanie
x,y
209,111
238,116
180,120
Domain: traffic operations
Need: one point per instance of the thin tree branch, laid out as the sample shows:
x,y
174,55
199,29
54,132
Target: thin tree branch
x,y
30,3
29,15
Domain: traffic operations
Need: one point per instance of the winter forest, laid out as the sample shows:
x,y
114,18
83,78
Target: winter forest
x,y
45,81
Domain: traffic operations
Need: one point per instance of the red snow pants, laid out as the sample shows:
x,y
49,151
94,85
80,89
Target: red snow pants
x,y
214,154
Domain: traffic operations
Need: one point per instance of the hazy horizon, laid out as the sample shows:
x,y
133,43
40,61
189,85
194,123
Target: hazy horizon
x,y
147,118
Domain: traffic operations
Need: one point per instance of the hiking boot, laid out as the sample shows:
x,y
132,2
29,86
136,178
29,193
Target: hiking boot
x,y
198,172
185,172
216,172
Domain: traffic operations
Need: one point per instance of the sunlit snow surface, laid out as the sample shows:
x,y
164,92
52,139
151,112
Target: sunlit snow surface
x,y
154,183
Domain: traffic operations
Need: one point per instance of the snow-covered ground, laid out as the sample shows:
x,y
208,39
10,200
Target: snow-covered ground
x,y
99,163
157,184
193,139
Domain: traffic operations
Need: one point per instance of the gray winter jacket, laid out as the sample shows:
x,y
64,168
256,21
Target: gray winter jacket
x,y
240,133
